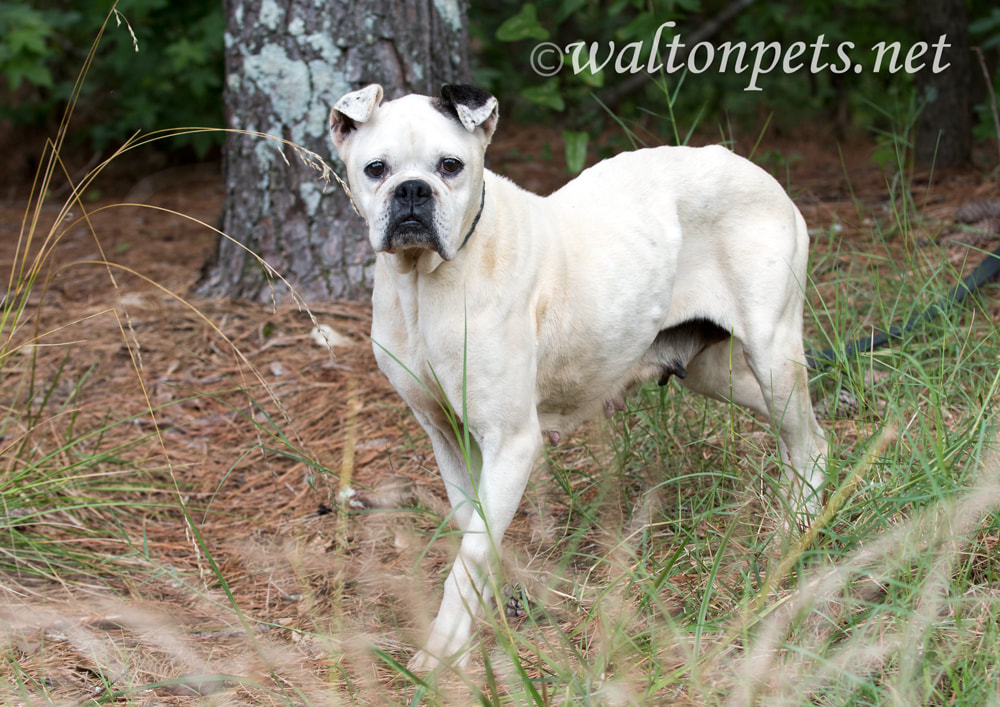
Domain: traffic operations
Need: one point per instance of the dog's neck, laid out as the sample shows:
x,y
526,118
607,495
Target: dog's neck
x,y
475,220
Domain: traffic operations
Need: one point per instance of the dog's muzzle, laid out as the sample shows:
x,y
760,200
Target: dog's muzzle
x,y
411,217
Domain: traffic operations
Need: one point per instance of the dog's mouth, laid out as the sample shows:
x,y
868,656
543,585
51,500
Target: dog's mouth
x,y
412,226
411,233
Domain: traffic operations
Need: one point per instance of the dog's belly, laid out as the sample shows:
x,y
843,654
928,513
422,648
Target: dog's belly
x,y
563,415
596,358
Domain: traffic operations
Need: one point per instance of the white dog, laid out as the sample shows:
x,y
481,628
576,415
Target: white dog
x,y
535,312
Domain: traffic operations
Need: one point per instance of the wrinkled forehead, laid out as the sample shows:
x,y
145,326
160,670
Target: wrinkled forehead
x,y
410,123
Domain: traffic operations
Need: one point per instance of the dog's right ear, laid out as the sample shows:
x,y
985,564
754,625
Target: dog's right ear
x,y
353,108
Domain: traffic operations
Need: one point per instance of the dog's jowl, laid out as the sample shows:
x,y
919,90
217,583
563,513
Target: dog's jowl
x,y
673,261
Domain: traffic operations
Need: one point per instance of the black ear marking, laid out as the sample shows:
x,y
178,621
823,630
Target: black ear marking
x,y
453,94
471,106
341,124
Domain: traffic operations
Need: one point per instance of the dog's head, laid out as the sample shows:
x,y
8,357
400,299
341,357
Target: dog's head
x,y
415,165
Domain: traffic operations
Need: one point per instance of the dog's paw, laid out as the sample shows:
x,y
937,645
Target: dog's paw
x,y
516,603
803,513
422,663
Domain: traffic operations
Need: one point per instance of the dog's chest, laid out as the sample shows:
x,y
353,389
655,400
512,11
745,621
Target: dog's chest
x,y
413,379
422,357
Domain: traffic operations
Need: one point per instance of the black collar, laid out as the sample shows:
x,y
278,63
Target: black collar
x,y
475,221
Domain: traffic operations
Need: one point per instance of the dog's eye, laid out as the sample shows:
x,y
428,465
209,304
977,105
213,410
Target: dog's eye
x,y
450,165
375,169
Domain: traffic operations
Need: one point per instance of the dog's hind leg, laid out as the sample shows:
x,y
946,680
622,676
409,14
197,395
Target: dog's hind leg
x,y
720,371
784,383
773,382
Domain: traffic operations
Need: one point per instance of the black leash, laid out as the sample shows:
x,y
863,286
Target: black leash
x,y
987,269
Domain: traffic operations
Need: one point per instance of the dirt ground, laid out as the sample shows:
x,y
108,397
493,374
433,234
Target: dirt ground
x,y
246,407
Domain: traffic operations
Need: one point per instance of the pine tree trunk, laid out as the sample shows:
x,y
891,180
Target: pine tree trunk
x,y
944,128
287,61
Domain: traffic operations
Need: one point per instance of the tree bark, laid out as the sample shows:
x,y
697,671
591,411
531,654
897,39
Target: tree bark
x,y
944,128
287,61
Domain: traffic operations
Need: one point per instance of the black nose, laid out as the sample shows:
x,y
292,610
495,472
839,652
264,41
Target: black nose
x,y
412,192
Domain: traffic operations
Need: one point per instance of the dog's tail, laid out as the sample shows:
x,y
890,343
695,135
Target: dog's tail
x,y
984,272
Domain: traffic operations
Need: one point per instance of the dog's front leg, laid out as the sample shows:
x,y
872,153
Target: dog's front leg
x,y
459,470
507,463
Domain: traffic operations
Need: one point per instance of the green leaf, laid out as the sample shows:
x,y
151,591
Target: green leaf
x,y
33,72
594,80
548,95
523,25
184,53
986,24
567,9
576,150
28,39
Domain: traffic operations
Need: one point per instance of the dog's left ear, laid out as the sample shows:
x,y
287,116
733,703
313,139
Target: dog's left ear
x,y
471,106
353,108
